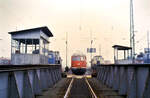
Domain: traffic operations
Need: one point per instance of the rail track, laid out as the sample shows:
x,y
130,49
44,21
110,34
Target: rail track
x,y
79,88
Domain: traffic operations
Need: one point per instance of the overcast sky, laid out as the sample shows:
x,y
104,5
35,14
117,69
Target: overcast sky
x,y
108,20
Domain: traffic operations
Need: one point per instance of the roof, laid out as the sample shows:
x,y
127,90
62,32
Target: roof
x,y
119,47
44,29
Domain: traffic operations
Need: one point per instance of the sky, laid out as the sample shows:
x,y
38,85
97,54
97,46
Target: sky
x,y
106,20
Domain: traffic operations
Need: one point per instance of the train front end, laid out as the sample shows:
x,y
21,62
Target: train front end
x,y
78,64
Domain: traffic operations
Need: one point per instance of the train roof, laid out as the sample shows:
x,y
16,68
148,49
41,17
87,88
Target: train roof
x,y
78,55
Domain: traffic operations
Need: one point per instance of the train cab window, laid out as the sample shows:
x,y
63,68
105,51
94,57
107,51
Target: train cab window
x,y
50,56
82,58
76,59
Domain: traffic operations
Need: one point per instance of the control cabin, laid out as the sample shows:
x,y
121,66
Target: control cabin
x,y
122,54
30,46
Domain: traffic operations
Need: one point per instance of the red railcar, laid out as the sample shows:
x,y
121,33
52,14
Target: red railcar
x,y
78,64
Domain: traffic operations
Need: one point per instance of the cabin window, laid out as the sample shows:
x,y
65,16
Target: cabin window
x,y
25,46
76,59
43,47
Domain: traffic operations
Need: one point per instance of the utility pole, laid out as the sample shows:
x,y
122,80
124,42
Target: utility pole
x,y
132,35
66,49
91,46
148,46
99,49
148,40
80,27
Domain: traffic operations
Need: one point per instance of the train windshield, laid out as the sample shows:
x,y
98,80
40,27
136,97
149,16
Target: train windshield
x,y
50,56
76,59
82,58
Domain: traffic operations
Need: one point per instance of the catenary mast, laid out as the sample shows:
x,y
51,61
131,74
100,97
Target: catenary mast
x,y
132,35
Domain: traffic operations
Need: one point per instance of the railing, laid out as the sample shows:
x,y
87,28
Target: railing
x,y
27,81
132,80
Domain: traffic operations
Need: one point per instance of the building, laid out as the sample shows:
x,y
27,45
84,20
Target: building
x,y
30,46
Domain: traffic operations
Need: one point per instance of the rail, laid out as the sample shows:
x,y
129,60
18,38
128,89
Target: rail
x,y
88,85
69,88
91,90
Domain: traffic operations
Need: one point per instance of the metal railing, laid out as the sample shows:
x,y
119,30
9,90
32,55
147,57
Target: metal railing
x,y
27,81
131,80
